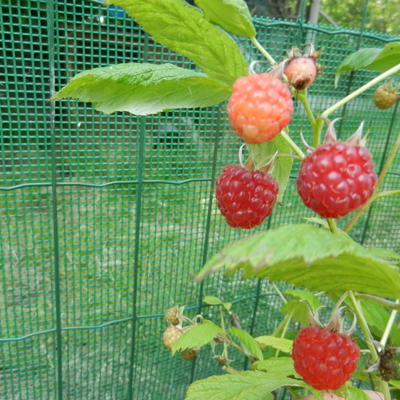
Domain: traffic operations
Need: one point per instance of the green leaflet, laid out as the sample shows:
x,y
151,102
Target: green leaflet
x,y
375,59
185,30
247,342
215,301
309,257
143,89
248,385
263,152
199,335
282,364
281,344
232,15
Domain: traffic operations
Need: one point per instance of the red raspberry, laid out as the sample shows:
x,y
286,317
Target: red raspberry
x,y
301,72
260,107
325,359
245,198
336,178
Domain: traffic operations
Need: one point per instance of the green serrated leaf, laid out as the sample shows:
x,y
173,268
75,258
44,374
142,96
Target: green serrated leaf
x,y
356,394
247,342
232,15
261,153
281,344
376,59
377,318
395,383
143,89
305,295
198,336
283,365
249,385
185,30
386,254
309,257
215,301
298,309
212,300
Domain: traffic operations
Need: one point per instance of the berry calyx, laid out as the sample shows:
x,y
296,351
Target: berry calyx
x,y
324,358
336,178
385,96
260,107
170,336
245,198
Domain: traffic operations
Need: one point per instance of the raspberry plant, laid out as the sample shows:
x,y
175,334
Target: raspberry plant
x,y
316,257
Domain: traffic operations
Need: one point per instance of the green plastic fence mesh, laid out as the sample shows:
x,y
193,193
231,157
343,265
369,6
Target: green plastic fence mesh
x,y
104,218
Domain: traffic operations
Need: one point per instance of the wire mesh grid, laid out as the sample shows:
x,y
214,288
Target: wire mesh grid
x,y
104,218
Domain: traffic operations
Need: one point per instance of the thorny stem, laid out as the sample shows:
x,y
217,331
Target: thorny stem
x,y
382,175
293,145
360,90
264,52
364,328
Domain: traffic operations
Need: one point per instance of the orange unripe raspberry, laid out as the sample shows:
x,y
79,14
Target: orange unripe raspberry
x,y
260,107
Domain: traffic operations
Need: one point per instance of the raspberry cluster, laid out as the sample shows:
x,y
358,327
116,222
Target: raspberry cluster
x,y
336,179
245,198
324,358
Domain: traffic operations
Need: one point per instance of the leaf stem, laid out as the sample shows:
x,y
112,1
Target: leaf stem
x,y
364,328
293,145
332,225
386,166
264,52
387,193
225,351
388,327
278,291
360,90
379,300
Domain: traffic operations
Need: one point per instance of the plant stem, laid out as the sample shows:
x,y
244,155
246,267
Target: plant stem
x,y
380,301
364,328
293,145
388,327
280,294
264,52
225,351
332,225
360,90
283,333
285,322
302,97
317,132
387,193
382,175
